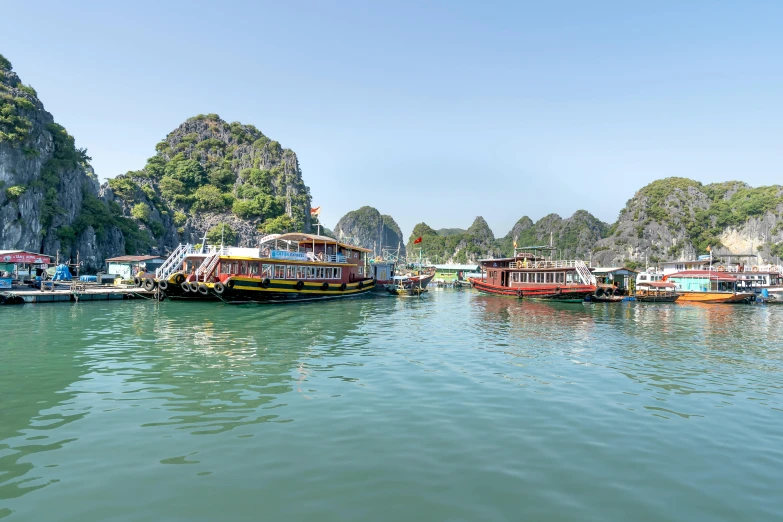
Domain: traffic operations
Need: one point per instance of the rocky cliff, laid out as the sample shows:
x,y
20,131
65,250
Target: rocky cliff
x,y
678,218
452,245
226,180
573,237
369,228
49,194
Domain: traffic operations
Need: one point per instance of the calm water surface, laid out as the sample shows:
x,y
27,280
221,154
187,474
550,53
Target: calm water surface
x,y
455,406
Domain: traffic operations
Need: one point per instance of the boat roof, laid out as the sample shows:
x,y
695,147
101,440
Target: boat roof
x,y
610,269
656,284
301,237
451,266
712,274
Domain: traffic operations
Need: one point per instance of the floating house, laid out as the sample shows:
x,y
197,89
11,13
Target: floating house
x,y
617,276
128,266
20,263
451,272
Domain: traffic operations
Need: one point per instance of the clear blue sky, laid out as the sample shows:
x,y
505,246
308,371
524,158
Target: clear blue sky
x,y
436,112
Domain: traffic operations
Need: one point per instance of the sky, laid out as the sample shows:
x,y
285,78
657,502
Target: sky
x,y
428,111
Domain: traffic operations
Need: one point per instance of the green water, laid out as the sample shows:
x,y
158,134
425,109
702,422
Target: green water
x,y
455,406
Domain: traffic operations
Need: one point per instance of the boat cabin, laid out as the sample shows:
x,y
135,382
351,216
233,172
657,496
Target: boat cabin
x,y
527,269
703,281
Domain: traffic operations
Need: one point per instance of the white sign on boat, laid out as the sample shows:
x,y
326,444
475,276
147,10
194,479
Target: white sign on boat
x,y
284,254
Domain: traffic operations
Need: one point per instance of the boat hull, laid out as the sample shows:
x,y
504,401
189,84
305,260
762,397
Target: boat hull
x,y
657,298
563,293
240,290
714,297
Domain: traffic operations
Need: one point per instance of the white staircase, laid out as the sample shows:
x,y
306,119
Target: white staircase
x,y
173,262
585,274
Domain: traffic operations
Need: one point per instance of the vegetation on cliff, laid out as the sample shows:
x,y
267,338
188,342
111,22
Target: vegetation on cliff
x,y
207,165
453,245
368,228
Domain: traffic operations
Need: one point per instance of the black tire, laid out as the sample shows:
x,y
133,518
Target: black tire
x,y
219,288
148,284
179,279
163,284
343,287
202,289
325,287
137,280
193,287
185,286
265,283
299,285
229,284
360,285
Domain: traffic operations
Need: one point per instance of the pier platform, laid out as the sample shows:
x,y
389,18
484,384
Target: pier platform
x,y
86,292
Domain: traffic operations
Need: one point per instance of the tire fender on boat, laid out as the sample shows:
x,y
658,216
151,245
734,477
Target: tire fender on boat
x,y
360,285
299,285
343,287
137,280
193,287
325,287
202,289
179,279
265,283
185,286
163,284
219,288
148,284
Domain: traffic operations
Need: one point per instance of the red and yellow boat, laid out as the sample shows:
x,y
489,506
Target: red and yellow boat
x,y
288,267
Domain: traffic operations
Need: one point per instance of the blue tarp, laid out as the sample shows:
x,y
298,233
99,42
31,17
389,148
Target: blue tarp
x,y
62,273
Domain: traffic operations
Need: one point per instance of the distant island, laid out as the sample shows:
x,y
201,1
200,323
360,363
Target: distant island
x,y
230,182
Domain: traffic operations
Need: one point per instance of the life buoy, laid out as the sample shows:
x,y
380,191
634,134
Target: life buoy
x,y
360,285
325,287
202,289
137,280
755,269
721,268
185,286
343,287
299,285
265,283
149,284
193,287
219,288
163,284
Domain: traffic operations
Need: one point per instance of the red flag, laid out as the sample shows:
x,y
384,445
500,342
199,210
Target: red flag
x,y
315,211
417,241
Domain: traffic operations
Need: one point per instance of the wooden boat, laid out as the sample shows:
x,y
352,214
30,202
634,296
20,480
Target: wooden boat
x,y
527,275
414,284
179,275
707,286
289,267
656,292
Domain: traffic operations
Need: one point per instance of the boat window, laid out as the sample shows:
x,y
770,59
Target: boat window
x,y
310,272
242,267
252,269
361,270
301,272
280,271
267,270
560,277
319,272
290,272
550,277
539,277
338,273
642,277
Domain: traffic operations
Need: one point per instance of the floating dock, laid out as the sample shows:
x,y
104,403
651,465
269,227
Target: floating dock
x,y
75,293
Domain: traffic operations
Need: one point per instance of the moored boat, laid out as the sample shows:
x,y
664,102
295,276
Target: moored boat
x,y
656,292
411,284
288,267
530,276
